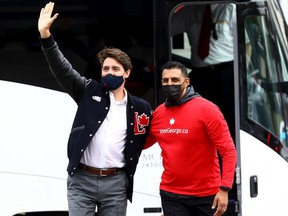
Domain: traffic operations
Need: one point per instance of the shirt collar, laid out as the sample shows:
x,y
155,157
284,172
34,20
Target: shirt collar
x,y
123,101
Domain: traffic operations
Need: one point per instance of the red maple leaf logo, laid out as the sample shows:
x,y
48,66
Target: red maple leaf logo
x,y
140,123
143,120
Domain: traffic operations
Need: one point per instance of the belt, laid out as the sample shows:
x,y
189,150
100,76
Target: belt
x,y
98,171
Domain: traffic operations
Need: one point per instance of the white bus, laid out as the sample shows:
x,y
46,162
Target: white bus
x,y
36,116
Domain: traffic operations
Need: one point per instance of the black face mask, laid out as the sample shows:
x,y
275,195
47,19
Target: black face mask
x,y
172,92
112,82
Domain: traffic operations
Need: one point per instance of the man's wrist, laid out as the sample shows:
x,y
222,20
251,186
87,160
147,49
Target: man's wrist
x,y
45,34
224,188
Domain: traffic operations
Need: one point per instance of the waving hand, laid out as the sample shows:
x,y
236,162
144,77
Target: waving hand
x,y
45,20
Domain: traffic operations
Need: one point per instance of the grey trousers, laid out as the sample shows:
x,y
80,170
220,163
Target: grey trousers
x,y
87,192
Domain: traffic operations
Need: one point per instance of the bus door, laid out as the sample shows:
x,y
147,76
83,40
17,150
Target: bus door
x,y
177,27
261,83
259,116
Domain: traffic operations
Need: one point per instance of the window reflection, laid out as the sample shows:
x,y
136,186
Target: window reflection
x,y
264,95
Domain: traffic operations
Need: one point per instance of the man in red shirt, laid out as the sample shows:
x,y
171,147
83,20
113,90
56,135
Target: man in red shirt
x,y
191,131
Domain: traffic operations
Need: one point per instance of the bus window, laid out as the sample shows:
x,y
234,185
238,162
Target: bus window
x,y
264,98
283,92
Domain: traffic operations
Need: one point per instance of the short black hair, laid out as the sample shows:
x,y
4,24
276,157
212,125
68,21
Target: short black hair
x,y
175,64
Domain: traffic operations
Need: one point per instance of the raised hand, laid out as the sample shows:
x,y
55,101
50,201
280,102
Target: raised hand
x,y
45,20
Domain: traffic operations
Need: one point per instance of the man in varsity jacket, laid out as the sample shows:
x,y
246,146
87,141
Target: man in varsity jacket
x,y
108,132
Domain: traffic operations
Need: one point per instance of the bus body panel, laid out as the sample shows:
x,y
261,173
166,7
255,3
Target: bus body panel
x,y
31,193
260,161
35,124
